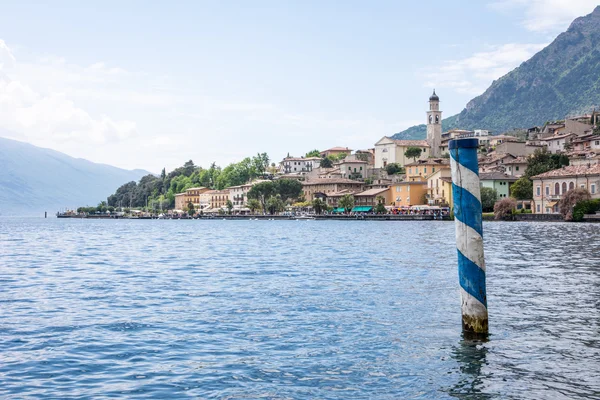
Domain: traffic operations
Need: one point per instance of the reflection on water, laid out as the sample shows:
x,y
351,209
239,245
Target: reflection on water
x,y
471,358
293,310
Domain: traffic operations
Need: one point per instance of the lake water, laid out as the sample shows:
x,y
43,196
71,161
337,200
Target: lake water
x,y
292,310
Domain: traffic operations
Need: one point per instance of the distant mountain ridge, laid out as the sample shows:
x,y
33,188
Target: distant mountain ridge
x,y
35,179
562,79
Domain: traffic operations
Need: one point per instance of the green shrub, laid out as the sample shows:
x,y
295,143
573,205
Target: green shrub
x,y
585,207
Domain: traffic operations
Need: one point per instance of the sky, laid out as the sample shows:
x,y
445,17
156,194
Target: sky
x,y
148,84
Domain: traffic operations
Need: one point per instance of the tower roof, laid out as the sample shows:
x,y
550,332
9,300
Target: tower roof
x,y
434,97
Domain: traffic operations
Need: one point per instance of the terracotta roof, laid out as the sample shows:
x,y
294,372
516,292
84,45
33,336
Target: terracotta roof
x,y
326,181
570,171
371,192
430,161
495,157
411,143
518,160
555,137
337,149
586,138
352,162
496,176
301,158
445,179
342,193
411,183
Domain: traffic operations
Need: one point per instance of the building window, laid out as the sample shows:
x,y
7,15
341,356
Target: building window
x,y
547,191
564,187
516,168
538,190
571,186
424,170
593,188
556,189
538,208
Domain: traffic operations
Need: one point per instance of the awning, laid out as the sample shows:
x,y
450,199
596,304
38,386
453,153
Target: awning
x,y
339,210
362,209
551,204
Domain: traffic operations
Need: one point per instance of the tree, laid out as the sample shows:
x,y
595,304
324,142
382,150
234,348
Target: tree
x,y
380,208
319,205
326,162
543,161
413,152
570,199
522,189
275,204
489,197
229,206
394,168
254,205
504,207
261,192
190,209
313,153
288,188
346,202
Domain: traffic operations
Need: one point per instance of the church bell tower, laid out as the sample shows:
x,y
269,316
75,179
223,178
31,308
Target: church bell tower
x,y
434,125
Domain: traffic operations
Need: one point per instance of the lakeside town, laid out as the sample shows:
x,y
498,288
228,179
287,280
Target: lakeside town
x,y
543,170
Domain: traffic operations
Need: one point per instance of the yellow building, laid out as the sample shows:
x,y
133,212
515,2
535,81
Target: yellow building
x,y
408,193
439,188
419,171
191,195
218,199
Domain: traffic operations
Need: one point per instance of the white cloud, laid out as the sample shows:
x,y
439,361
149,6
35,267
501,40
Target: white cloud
x,y
474,74
551,16
49,116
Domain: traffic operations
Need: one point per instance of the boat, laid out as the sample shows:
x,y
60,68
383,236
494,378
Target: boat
x,y
304,218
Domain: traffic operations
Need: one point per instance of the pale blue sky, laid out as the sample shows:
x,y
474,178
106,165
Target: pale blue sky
x,y
144,84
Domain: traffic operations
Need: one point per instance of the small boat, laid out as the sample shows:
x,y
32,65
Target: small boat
x,y
304,218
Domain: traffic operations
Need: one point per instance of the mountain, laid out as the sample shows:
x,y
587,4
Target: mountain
x,y
561,80
34,180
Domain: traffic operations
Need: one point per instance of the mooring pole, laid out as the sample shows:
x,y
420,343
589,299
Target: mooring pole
x,y
469,236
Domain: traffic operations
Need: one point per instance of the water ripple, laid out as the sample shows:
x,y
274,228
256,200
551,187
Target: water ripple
x,y
281,310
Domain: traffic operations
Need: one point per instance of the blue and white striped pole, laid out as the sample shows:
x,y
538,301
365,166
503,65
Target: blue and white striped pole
x,y
469,235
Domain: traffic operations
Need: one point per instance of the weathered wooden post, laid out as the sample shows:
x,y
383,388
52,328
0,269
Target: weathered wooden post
x,y
469,236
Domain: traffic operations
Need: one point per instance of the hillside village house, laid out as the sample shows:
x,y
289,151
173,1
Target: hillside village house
x,y
353,169
299,164
549,187
586,143
499,181
559,143
494,162
334,151
516,167
388,151
323,188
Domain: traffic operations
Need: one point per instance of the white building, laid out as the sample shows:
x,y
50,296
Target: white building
x,y
291,165
388,151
